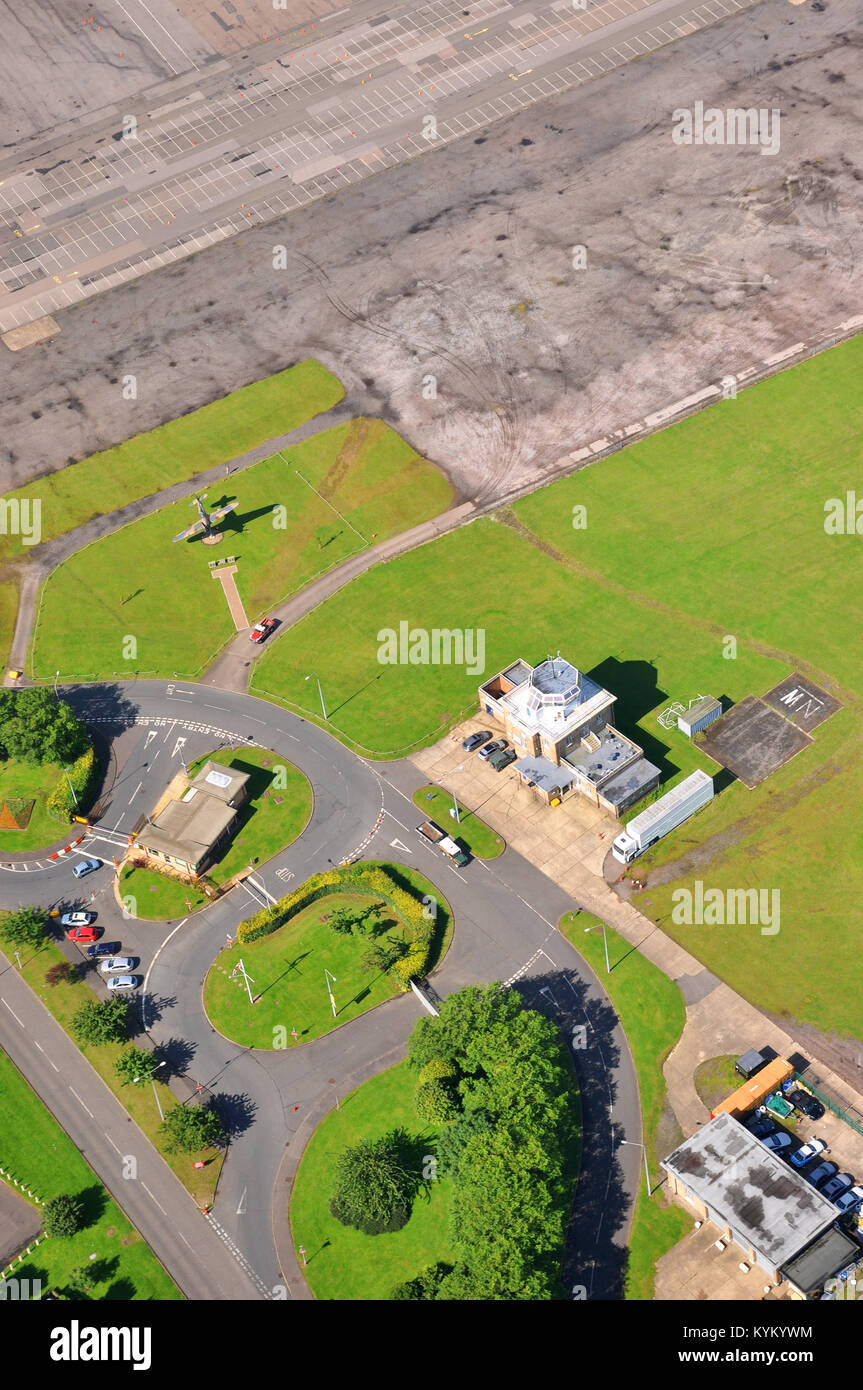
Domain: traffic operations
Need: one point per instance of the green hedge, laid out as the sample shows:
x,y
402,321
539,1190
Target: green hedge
x,y
366,878
83,774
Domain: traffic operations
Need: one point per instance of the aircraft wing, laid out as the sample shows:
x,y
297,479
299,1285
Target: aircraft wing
x,y
193,530
221,512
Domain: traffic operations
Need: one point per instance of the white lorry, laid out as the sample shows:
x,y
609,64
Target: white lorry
x,y
665,814
439,838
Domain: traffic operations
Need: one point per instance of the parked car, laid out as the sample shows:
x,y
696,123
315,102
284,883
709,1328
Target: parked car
x,y
476,740
84,934
760,1125
105,948
123,982
86,867
498,761
806,1152
777,1142
497,745
821,1173
261,631
850,1201
77,919
836,1186
118,963
806,1104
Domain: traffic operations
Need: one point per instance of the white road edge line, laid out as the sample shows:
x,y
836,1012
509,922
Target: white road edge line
x,y
150,967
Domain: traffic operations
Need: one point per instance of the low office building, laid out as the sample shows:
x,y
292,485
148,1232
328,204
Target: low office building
x,y
560,723
777,1219
186,833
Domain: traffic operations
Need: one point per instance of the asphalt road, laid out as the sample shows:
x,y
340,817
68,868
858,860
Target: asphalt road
x,y
505,930
250,139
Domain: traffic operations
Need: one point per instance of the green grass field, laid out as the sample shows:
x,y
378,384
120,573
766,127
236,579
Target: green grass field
x,y
287,969
61,1001
345,1264
151,895
652,1014
30,782
277,812
676,558
473,833
716,1079
146,463
8,611
36,1150
108,609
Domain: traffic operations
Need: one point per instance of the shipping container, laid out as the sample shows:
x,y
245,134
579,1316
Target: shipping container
x,y
698,716
752,1093
665,814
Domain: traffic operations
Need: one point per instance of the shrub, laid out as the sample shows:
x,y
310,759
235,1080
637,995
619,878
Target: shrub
x,y
376,1183
435,1101
64,1217
426,1285
83,774
438,1069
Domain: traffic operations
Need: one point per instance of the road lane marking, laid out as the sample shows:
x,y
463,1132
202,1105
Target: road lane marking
x,y
113,1145
132,797
81,1103
150,967
158,1203
13,1013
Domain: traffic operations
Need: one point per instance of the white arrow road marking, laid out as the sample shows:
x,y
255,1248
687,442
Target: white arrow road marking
x,y
397,844
177,746
241,1209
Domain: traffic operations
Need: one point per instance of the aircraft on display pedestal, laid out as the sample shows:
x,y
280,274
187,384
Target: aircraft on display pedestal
x,y
206,520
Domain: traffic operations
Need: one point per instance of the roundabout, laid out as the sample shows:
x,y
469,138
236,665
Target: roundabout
x,y
273,1098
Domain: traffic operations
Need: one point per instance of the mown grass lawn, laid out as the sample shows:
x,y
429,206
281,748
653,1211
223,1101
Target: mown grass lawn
x,y
277,812
646,600
153,896
20,781
342,1263
146,463
652,1014
8,612
35,1150
62,1001
715,1080
300,514
474,834
287,971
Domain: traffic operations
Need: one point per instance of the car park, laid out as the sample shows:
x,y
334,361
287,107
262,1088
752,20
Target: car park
x,y
115,965
806,1104
760,1124
123,982
87,866
84,935
807,1152
777,1142
497,745
836,1186
820,1174
476,740
850,1200
261,631
104,948
498,761
77,919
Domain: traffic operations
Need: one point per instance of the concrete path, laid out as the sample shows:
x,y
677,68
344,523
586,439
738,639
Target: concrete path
x,y
225,575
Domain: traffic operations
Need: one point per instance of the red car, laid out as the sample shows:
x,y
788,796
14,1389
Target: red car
x,y
83,934
261,631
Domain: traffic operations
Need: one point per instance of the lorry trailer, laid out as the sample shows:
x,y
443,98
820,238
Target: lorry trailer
x,y
665,814
439,838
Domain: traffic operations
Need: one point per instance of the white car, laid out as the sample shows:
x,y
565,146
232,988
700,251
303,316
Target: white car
x,y
123,982
851,1200
116,964
77,919
807,1151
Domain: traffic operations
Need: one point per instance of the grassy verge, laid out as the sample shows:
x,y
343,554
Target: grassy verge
x,y
149,462
62,1000
343,1263
37,1151
277,812
652,1014
715,1079
474,834
300,514
26,782
8,613
287,970
155,897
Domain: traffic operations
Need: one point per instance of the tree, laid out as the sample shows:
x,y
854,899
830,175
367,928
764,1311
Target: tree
x,y
101,1021
190,1127
80,1279
63,1216
435,1101
343,920
453,1140
26,926
468,1014
63,973
376,1183
426,1285
37,727
132,1063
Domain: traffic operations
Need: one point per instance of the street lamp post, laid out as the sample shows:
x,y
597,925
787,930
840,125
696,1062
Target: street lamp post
x,y
328,977
56,674
605,944
320,692
71,788
149,1076
635,1144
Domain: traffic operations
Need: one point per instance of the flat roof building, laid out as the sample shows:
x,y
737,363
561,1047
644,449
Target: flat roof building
x,y
186,832
753,1197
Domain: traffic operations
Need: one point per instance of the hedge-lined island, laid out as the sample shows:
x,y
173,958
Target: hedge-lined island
x,y
360,932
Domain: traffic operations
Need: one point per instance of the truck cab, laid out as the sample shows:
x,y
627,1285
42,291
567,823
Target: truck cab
x,y
624,848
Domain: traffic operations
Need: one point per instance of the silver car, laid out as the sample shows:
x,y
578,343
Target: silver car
x,y
123,982
117,964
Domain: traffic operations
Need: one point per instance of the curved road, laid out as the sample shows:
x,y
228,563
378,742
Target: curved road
x,y
505,915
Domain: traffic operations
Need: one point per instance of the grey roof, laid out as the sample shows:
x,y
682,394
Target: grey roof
x,y
822,1259
545,774
187,829
767,1205
697,711
220,781
599,764
631,784
557,676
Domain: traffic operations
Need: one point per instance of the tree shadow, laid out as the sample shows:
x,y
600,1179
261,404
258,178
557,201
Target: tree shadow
x,y
178,1054
93,1201
121,1291
236,1112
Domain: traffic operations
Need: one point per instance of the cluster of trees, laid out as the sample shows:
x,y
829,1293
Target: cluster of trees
x,y
37,727
26,926
496,1076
